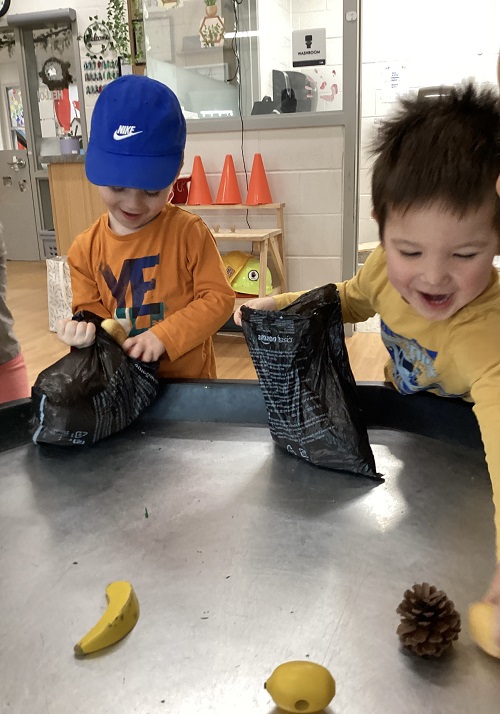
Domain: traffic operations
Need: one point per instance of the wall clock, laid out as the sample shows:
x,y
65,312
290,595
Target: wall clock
x,y
4,6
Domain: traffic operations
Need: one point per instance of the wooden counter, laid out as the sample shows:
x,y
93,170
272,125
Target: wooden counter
x,y
76,203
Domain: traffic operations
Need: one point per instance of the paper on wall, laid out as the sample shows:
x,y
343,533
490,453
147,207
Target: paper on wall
x,y
394,82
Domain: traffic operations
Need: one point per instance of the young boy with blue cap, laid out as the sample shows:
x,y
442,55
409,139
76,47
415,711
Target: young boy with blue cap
x,y
146,262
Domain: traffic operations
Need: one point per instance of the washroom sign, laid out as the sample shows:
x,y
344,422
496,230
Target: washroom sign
x,y
309,47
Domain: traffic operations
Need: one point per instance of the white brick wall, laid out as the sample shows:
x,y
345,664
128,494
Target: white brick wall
x,y
304,166
438,42
304,170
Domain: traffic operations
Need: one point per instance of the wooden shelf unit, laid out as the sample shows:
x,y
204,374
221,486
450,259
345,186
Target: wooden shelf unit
x,y
76,203
265,241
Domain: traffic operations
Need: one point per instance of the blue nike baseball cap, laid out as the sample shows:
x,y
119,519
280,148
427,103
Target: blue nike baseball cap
x,y
137,135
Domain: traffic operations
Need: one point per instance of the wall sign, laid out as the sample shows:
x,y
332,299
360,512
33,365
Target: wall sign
x,y
394,82
309,47
212,31
96,39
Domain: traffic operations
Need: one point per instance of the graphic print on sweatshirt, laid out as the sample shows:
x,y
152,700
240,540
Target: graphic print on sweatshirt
x,y
141,314
412,364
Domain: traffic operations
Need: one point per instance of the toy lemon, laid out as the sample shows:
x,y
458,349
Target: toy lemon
x,y
482,627
301,686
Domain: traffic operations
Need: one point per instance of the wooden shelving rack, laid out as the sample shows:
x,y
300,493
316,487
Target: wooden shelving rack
x,y
265,242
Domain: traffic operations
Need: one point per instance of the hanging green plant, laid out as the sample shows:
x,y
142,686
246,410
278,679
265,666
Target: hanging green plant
x,y
117,23
139,46
57,38
136,9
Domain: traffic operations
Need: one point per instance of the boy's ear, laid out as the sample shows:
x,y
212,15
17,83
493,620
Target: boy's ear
x,y
498,185
179,169
373,215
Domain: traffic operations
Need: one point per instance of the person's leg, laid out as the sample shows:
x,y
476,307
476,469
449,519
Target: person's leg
x,y
14,380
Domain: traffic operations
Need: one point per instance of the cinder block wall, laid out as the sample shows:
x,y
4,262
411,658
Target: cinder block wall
x,y
427,43
304,170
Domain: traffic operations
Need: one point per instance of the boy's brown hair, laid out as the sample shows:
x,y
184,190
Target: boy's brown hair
x,y
439,150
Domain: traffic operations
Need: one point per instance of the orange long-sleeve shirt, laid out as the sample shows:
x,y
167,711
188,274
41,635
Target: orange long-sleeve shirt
x,y
168,277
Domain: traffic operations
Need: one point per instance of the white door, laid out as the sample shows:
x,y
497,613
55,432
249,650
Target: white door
x,y
17,211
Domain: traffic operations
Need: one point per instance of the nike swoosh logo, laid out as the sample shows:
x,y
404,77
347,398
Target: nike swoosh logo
x,y
119,137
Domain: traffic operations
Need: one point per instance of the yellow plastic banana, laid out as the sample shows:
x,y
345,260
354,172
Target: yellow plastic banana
x,y
113,328
482,627
120,617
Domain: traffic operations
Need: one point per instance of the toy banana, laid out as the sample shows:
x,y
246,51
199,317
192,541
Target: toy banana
x,y
113,328
482,627
120,617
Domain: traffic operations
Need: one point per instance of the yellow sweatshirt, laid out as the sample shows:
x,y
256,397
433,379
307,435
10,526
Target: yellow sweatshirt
x,y
458,357
168,277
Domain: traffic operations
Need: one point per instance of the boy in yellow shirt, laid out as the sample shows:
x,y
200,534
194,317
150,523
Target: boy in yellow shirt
x,y
431,279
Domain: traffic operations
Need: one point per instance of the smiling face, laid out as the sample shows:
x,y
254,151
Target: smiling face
x,y
438,261
131,208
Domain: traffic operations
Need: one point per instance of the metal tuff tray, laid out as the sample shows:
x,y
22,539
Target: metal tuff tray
x,y
248,558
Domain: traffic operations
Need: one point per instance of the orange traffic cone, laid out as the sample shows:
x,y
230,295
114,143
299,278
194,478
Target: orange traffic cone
x,y
229,191
258,190
199,191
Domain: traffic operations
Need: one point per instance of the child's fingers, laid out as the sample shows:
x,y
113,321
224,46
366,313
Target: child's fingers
x,y
76,334
146,347
141,351
237,314
85,334
237,317
133,347
61,325
265,303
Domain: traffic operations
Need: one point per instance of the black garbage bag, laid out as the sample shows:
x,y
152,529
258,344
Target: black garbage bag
x,y
301,360
91,392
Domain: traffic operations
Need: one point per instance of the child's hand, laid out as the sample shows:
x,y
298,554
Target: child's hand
x,y
493,596
263,303
75,334
146,347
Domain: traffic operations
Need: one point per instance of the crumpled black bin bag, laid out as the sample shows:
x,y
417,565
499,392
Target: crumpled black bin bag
x,y
301,361
91,392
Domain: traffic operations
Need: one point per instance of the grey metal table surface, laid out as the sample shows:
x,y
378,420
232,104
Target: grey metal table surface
x,y
248,558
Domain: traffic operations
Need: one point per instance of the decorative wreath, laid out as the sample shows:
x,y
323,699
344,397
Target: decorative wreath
x,y
96,39
55,74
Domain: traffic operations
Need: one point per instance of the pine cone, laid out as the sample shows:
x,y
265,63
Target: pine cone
x,y
429,621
